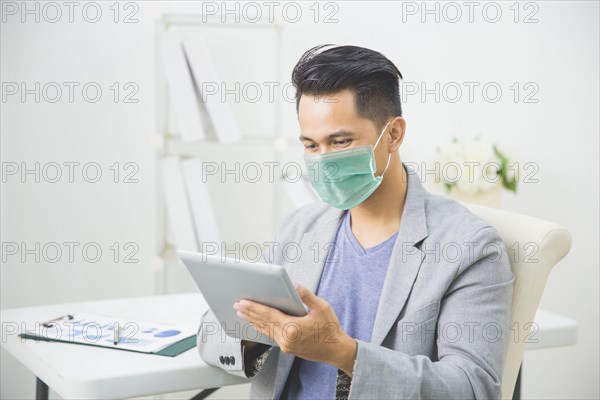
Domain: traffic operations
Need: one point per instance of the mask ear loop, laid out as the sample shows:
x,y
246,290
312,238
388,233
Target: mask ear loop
x,y
381,134
387,165
389,155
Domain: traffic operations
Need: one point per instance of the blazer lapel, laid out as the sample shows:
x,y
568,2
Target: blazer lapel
x,y
405,261
315,245
307,271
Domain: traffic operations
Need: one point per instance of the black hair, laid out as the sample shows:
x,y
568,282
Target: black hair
x,y
369,74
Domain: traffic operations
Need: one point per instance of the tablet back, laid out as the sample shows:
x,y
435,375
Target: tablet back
x,y
225,281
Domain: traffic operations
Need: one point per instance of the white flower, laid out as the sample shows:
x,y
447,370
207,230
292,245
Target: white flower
x,y
478,163
464,185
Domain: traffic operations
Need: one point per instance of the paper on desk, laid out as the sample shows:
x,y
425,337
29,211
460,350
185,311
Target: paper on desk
x,y
98,330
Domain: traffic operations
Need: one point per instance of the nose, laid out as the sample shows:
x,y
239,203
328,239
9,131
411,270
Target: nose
x,y
324,148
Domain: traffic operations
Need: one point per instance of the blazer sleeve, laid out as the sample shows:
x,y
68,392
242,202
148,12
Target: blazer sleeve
x,y
214,345
470,364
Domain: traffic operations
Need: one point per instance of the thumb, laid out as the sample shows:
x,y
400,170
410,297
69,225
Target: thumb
x,y
308,297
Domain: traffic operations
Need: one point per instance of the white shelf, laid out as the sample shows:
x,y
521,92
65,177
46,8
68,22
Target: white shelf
x,y
169,144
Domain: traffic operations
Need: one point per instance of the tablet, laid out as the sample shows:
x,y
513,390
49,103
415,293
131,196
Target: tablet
x,y
223,282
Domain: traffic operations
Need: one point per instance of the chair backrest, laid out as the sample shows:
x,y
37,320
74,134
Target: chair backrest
x,y
534,246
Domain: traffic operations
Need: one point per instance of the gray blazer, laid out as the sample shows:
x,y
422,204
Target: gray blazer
x,y
442,327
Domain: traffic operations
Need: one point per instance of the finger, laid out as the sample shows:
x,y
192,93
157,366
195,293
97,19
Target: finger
x,y
308,297
260,323
254,306
261,311
272,316
263,330
244,315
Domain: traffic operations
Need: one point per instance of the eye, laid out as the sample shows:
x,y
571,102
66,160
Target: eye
x,y
342,142
310,146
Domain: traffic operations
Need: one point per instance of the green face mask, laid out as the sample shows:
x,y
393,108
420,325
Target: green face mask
x,y
344,179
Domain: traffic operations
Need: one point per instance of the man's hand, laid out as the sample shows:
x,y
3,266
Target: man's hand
x,y
317,336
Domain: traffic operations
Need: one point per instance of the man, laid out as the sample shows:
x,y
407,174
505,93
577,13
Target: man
x,y
409,294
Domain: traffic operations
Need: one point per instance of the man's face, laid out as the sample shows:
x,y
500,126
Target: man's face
x,y
330,123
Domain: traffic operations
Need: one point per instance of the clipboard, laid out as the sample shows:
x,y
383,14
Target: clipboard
x,y
149,338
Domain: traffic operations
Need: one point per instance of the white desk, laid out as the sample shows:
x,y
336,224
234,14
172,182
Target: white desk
x,y
85,372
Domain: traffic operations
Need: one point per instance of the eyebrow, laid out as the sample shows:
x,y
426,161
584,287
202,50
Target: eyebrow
x,y
330,136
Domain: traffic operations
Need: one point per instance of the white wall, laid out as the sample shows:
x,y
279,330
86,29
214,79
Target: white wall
x,y
559,54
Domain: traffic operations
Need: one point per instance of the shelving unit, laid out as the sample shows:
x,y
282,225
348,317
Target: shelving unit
x,y
168,143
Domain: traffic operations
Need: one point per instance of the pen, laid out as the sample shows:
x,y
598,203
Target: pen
x,y
117,333
48,324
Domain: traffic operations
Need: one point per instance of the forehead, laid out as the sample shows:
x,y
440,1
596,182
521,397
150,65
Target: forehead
x,y
322,115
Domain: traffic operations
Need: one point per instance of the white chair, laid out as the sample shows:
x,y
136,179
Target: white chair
x,y
534,246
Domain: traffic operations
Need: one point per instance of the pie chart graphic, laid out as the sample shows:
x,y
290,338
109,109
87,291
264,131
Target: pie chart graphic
x,y
167,333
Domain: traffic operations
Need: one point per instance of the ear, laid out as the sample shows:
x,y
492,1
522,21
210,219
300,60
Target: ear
x,y
396,135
